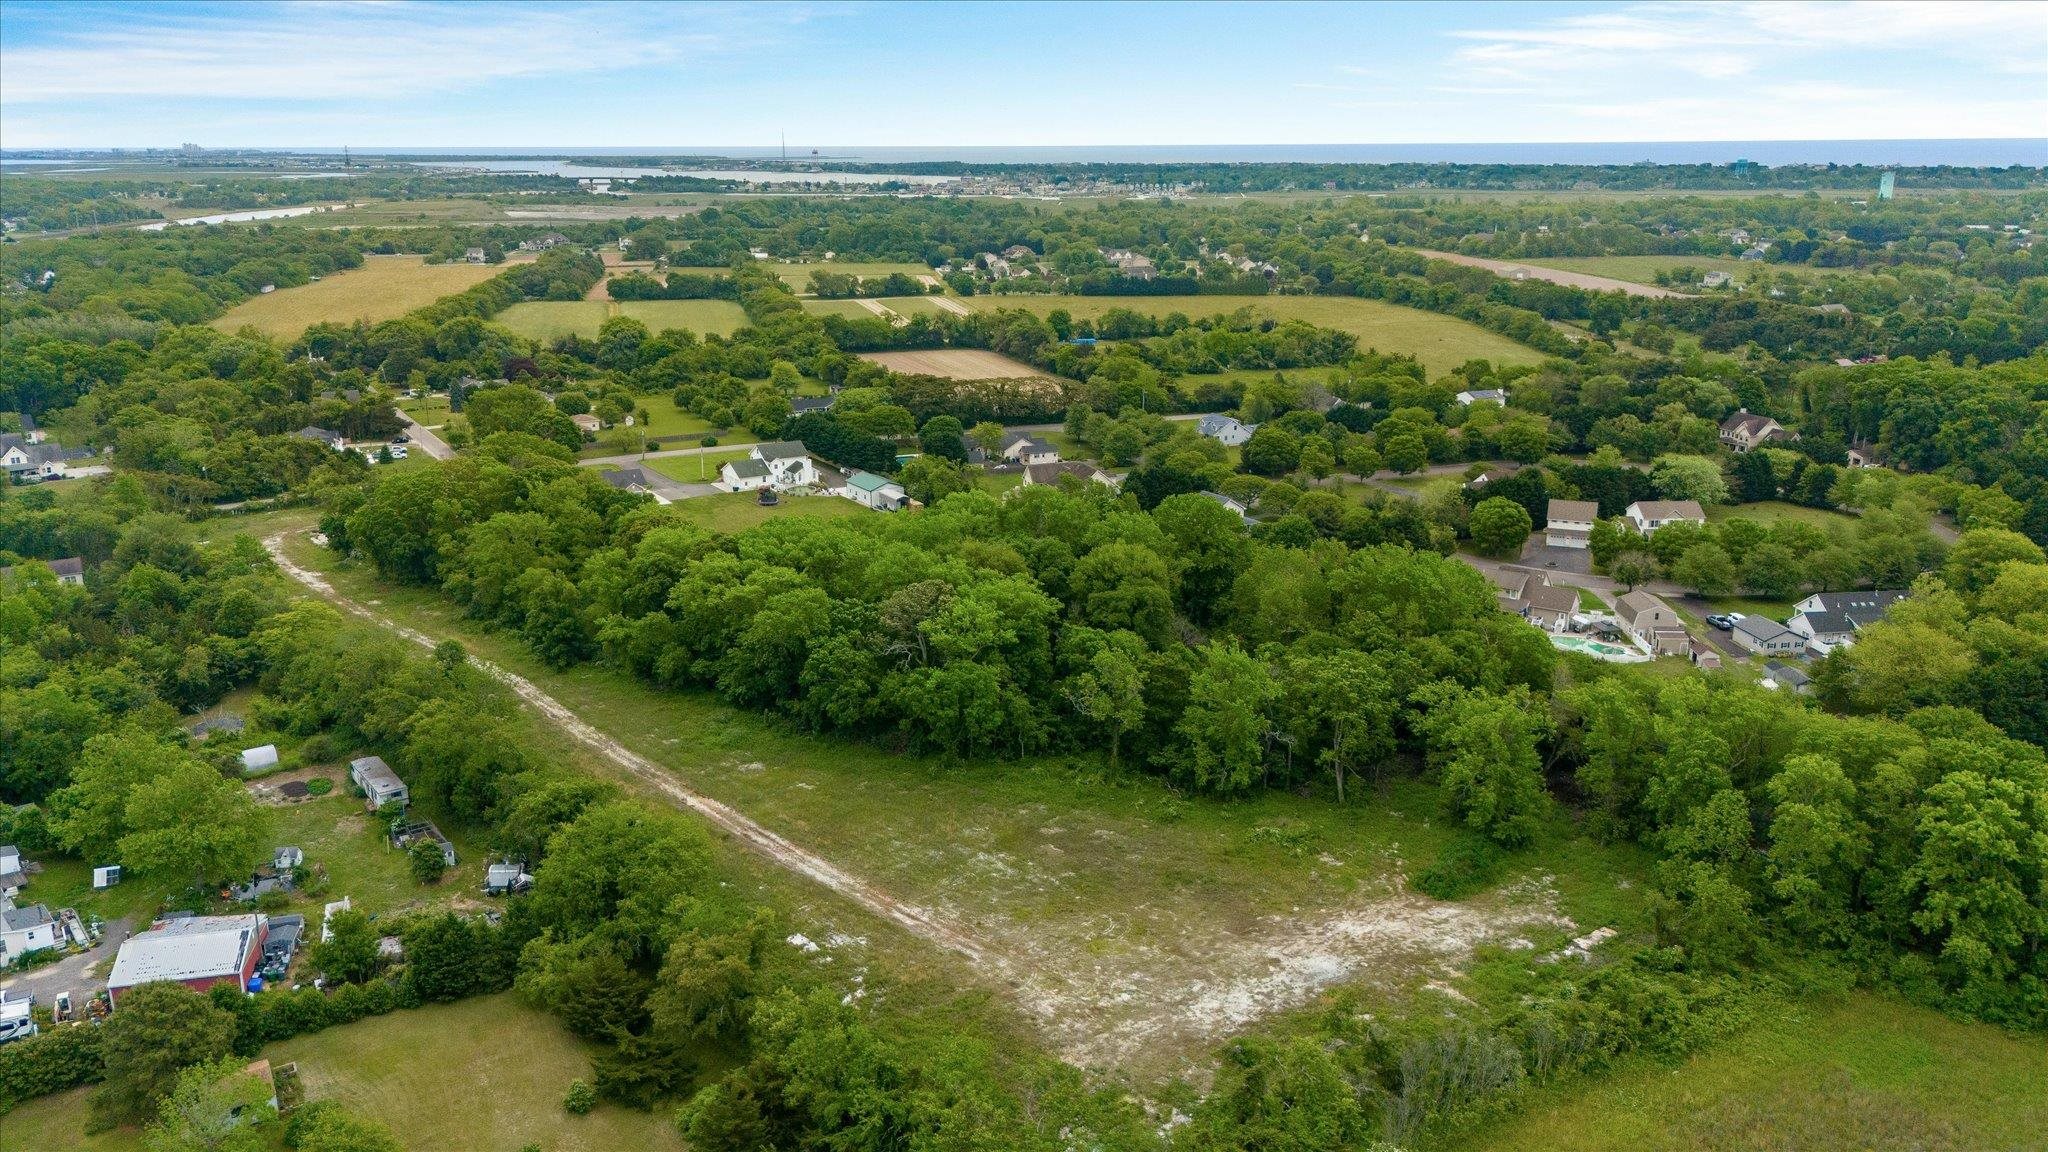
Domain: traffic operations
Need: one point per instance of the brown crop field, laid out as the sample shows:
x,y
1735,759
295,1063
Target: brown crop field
x,y
384,288
955,363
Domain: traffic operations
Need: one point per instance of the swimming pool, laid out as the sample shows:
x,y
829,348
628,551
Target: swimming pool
x,y
1597,649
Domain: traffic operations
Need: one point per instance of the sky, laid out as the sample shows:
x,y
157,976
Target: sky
x,y
826,75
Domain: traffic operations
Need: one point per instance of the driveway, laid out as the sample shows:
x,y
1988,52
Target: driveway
x,y
1544,557
424,439
70,974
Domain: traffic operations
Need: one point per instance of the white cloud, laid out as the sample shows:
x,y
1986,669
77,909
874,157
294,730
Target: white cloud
x,y
364,51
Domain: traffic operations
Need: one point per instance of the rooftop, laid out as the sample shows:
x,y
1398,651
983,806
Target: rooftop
x,y
1576,511
193,948
781,450
16,919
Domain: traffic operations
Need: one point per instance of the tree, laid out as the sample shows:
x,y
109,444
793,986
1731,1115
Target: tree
x,y
941,437
1982,844
930,479
157,1031
990,436
1633,568
1272,451
1500,526
1689,478
1111,693
427,861
215,1108
349,954
1405,453
1755,480
1771,571
1485,746
1705,569
322,1126
1981,553
1817,846
191,822
1220,739
91,815
1347,703
446,958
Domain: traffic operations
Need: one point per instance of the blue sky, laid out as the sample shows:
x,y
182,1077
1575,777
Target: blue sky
x,y
838,74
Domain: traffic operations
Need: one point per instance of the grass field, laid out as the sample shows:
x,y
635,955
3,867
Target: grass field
x,y
955,363
1243,908
485,1074
384,288
1772,511
798,276
911,305
553,319
699,469
1440,342
732,511
1865,1073
1644,269
844,309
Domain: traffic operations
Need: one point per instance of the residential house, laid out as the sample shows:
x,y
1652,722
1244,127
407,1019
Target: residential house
x,y
1018,252
788,463
196,951
13,871
1225,430
1767,637
69,570
1570,523
1510,583
877,492
1488,477
505,878
587,424
543,242
1483,396
998,267
804,405
634,480
1547,606
380,786
1716,280
1236,506
29,462
1653,624
26,930
1746,430
1051,473
749,475
1650,515
473,255
1031,450
29,432
1754,252
976,454
334,440
1827,619
1778,674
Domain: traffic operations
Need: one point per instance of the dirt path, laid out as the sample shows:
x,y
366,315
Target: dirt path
x,y
951,305
777,849
879,309
1553,275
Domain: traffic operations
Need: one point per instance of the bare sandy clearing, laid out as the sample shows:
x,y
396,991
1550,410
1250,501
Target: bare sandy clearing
x,y
955,363
1552,275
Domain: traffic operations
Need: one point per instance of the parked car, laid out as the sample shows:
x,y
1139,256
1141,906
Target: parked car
x,y
1724,623
398,452
401,438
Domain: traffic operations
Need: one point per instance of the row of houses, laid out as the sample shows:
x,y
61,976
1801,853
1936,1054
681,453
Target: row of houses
x,y
1569,523
1819,624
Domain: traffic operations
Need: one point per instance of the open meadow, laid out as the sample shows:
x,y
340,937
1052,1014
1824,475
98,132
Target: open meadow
x,y
798,276
1440,342
547,320
1862,1073
1244,910
384,288
1644,269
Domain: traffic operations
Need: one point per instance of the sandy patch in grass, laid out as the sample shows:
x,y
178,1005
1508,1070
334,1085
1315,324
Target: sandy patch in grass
x,y
954,363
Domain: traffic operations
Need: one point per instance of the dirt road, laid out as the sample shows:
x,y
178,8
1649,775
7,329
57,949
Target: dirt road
x,y
1553,275
777,849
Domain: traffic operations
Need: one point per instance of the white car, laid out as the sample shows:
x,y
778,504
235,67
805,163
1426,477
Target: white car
x,y
398,451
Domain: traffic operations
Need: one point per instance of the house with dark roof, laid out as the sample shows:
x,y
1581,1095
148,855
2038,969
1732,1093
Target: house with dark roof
x,y
1766,637
1570,523
1483,396
749,475
635,480
1828,619
33,461
1746,430
69,570
26,930
802,405
788,463
29,431
1031,450
13,871
1547,606
1778,674
334,440
1236,506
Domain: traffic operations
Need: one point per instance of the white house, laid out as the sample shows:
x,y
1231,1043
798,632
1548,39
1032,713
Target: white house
x,y
1767,637
749,475
878,492
1716,280
1483,396
25,930
1828,619
787,462
1051,473
1031,450
1650,515
69,570
1570,523
1746,430
380,786
34,461
1237,506
1225,430
1546,606
13,872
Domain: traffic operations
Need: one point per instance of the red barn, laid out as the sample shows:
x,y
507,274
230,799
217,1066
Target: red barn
x,y
196,951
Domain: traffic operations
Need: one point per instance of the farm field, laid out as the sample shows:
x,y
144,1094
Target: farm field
x,y
956,363
911,305
1246,908
1863,1073
408,1068
1643,269
384,288
554,319
798,276
845,309
1440,342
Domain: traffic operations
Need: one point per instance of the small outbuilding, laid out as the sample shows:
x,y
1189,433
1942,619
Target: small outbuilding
x,y
380,786
261,758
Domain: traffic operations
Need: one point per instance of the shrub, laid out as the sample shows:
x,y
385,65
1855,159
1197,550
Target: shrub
x,y
1465,866
53,1061
319,786
581,1098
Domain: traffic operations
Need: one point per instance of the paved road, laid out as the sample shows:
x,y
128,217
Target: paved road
x,y
424,439
71,973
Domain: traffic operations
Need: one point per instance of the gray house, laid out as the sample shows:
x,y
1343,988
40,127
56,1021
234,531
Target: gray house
x,y
1767,637
380,786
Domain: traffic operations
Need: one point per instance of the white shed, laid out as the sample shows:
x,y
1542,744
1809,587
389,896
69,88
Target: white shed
x,y
259,758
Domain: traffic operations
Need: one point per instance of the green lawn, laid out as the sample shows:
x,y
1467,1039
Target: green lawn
x,y
844,309
1864,1073
798,276
485,1074
430,410
732,511
547,320
58,1121
699,469
1772,511
1440,342
911,305
665,419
